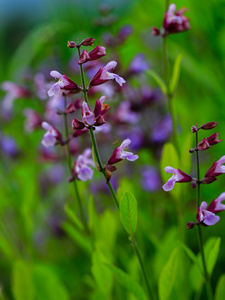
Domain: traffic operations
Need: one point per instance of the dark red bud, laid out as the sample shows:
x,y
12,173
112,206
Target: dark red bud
x,y
190,225
155,31
208,126
208,180
191,150
71,44
87,42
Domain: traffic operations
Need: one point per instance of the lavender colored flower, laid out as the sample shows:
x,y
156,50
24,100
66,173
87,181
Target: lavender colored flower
x,y
41,86
52,136
13,91
124,114
138,64
9,146
178,176
64,83
162,130
104,74
150,179
119,153
33,120
82,165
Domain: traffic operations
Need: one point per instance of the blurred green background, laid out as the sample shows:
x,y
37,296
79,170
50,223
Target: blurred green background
x,y
33,36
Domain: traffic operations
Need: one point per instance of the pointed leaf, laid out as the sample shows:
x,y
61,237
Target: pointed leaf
x,y
158,80
22,281
128,212
175,74
220,289
191,254
168,275
73,217
128,282
213,254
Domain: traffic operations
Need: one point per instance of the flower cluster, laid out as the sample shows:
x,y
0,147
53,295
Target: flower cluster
x,y
206,215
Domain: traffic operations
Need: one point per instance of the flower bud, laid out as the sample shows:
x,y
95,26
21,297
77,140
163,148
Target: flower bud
x,y
194,129
208,126
190,225
71,44
87,42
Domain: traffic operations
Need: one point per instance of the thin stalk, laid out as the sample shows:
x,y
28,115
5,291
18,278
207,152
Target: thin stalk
x,y
102,169
200,239
166,5
136,251
69,162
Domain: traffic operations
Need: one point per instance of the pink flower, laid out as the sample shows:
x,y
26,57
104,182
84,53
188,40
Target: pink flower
x,y
33,120
215,206
94,54
104,74
64,83
91,118
208,142
178,176
205,216
82,168
52,136
174,22
119,153
14,91
216,169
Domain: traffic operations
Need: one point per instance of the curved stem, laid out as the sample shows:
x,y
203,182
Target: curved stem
x,y
69,162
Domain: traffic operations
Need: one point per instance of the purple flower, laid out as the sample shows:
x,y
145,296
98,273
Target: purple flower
x,y
216,169
9,146
208,142
138,64
33,120
174,22
82,168
104,74
124,113
178,176
64,83
150,179
52,136
94,54
14,91
119,153
207,215
92,118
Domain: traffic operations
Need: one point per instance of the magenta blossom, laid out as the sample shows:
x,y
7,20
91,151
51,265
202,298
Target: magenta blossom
x,y
207,215
64,83
216,169
33,120
52,136
94,54
91,118
119,153
104,74
206,143
178,176
82,168
174,22
14,91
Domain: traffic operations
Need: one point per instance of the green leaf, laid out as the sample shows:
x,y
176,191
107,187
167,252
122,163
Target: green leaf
x,y
101,274
128,212
191,254
128,282
22,281
6,248
168,275
220,289
47,285
213,254
73,217
78,237
158,80
175,74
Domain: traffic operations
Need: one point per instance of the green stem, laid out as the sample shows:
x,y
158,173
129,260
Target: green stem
x,y
136,251
69,162
200,239
166,5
